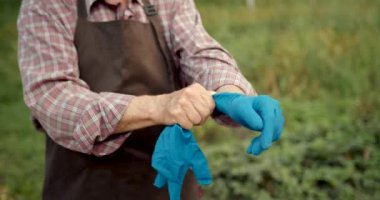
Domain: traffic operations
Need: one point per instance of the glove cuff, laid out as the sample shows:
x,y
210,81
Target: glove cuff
x,y
224,100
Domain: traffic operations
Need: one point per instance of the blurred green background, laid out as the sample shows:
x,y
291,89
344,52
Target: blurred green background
x,y
319,57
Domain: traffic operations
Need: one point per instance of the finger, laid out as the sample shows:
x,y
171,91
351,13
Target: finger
x,y
255,147
160,181
174,190
280,121
200,168
185,123
252,120
208,100
268,126
192,114
203,111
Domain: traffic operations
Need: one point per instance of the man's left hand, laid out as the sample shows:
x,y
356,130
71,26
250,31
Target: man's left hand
x,y
259,113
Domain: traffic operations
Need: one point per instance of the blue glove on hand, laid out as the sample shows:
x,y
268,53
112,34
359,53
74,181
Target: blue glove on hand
x,y
258,113
176,151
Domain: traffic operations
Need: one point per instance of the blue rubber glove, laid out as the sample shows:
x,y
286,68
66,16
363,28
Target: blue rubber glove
x,y
176,151
258,113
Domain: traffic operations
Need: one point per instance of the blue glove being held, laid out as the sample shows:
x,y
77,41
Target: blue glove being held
x,y
176,151
258,113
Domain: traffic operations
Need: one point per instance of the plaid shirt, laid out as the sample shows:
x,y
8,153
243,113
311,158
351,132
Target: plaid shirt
x,y
82,120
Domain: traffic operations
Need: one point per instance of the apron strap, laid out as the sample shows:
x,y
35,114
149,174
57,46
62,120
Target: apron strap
x,y
81,9
152,14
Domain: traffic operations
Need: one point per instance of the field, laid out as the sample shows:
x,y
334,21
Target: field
x,y
319,58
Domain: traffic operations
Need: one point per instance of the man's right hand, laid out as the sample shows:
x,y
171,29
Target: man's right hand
x,y
187,107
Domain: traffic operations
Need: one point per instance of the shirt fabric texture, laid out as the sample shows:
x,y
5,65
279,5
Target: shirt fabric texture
x,y
64,105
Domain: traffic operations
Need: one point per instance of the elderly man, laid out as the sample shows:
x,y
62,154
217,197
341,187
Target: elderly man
x,y
101,77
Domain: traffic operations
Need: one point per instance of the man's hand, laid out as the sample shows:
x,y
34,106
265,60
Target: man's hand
x,y
187,107
259,113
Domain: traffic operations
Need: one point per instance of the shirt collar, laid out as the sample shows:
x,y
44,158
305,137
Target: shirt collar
x,y
89,3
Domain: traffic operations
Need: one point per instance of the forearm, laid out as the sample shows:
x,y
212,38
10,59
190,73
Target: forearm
x,y
187,107
77,122
230,88
140,113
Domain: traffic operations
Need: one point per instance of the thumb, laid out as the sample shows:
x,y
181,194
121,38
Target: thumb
x,y
250,119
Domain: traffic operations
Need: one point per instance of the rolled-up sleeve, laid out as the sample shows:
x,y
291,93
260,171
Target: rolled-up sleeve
x,y
71,114
201,58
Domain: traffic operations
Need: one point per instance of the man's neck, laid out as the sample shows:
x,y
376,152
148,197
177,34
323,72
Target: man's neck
x,y
118,5
122,3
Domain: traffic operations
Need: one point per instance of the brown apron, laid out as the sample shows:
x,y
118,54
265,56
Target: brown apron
x,y
127,57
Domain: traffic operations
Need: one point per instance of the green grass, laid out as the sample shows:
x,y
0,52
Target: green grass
x,y
21,148
320,58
